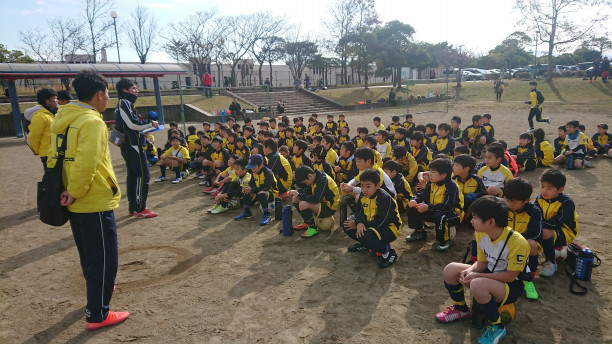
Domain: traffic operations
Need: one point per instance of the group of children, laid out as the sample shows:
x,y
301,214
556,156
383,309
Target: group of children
x,y
430,175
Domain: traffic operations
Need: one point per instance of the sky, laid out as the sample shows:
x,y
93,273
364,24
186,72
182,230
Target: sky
x,y
478,25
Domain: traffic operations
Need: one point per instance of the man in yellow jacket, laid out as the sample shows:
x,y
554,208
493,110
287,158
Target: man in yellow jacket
x,y
39,134
91,192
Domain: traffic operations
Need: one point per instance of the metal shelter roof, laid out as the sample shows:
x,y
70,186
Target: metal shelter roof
x,y
14,71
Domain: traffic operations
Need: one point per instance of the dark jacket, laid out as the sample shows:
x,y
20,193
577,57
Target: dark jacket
x,y
128,122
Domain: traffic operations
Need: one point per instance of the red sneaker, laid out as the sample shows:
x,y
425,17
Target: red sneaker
x,y
210,190
144,214
452,314
214,194
300,226
111,319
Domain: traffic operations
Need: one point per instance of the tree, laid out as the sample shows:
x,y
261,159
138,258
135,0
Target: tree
x,y
36,42
68,37
239,38
274,50
96,13
601,44
341,24
299,55
395,39
143,32
555,21
268,28
13,56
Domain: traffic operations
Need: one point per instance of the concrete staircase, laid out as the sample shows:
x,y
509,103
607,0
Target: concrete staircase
x,y
296,103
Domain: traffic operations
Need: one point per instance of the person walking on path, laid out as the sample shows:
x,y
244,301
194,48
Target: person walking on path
x,y
207,81
128,122
596,70
91,193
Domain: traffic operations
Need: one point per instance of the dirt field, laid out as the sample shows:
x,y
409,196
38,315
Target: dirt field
x,y
187,276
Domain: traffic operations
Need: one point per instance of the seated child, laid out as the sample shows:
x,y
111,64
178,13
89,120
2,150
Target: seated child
x,y
574,147
420,152
344,135
274,129
329,142
299,157
191,137
439,202
395,124
364,159
149,149
401,185
444,144
257,149
249,137
494,175
496,277
317,196
262,188
426,139
342,121
409,125
331,127
279,166
377,221
230,143
299,127
590,147
370,142
377,125
223,177
560,140
524,153
383,146
289,139
559,225
468,183
284,151
207,131
241,149
280,130
197,156
409,166
456,133
361,134
237,128
545,155
486,123
316,140
175,158
216,160
460,149
475,136
507,160
602,140
400,138
248,122
317,157
346,169
430,131
232,188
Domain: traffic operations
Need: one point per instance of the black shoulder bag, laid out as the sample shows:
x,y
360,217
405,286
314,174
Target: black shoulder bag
x,y
50,189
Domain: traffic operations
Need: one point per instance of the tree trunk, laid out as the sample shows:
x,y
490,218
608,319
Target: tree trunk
x,y
144,83
260,79
270,73
550,61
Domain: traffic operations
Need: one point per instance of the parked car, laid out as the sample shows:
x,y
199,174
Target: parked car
x,y
476,73
585,65
466,75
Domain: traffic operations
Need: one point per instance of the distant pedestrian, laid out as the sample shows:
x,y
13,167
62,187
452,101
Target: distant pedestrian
x,y
297,83
207,82
605,69
499,90
596,70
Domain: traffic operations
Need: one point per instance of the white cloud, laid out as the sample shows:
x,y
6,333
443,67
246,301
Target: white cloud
x,y
25,12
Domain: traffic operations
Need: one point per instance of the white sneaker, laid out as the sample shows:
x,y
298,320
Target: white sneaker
x,y
218,210
234,202
548,120
160,179
203,183
201,176
548,269
211,209
530,130
177,180
587,163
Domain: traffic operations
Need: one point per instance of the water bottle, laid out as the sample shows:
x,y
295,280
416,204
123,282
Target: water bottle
x,y
584,265
287,221
278,209
569,162
343,213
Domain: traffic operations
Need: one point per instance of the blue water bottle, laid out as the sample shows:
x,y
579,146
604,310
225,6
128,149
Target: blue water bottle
x,y
584,265
287,221
569,162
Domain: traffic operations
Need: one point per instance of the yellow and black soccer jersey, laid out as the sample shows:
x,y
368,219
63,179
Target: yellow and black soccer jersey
x,y
536,98
576,143
348,168
402,142
444,145
342,139
409,128
514,254
443,196
385,150
220,155
281,169
358,141
523,154
377,158
324,166
331,127
495,177
403,189
559,214
410,167
311,129
281,135
456,134
230,146
263,181
181,152
243,181
299,160
342,124
422,155
377,128
299,130
378,212
229,172
243,152
473,186
331,157
393,127
191,138
602,140
490,130
527,221
324,190
545,154
287,141
250,141
472,132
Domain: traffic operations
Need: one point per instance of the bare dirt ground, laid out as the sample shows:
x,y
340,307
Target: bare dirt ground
x,y
187,276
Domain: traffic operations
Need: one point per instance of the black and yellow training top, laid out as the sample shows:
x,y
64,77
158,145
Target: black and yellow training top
x,y
527,221
378,212
299,160
559,214
442,196
263,181
324,190
444,145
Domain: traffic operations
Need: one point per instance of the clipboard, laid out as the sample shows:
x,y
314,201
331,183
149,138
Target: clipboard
x,y
152,129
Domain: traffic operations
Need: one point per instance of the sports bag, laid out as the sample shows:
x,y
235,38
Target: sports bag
x,y
50,189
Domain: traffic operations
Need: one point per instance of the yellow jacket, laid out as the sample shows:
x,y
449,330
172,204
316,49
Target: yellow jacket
x,y
88,173
40,135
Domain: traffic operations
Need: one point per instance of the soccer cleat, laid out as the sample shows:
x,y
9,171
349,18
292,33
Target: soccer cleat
x,y
548,269
451,314
531,130
210,190
210,210
530,290
203,183
112,318
177,180
357,247
219,209
492,335
246,214
390,258
310,232
416,236
161,179
265,219
548,120
443,246
144,214
301,226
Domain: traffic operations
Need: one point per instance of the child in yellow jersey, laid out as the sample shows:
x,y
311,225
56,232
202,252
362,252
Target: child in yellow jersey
x,y
345,168
262,188
409,125
495,279
545,154
602,140
430,131
288,138
475,136
344,135
370,142
318,196
524,153
444,144
342,121
535,101
299,127
317,157
329,142
486,123
494,175
383,146
232,188
560,220
419,150
468,183
377,220
574,147
401,185
191,137
299,156
361,134
241,149
279,166
331,127
400,138
224,176
409,166
439,201
590,147
175,157
285,152
395,124
377,125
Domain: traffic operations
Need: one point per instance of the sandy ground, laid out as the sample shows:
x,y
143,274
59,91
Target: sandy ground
x,y
187,276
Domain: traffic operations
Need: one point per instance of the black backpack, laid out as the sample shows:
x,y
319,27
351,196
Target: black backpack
x,y
50,189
